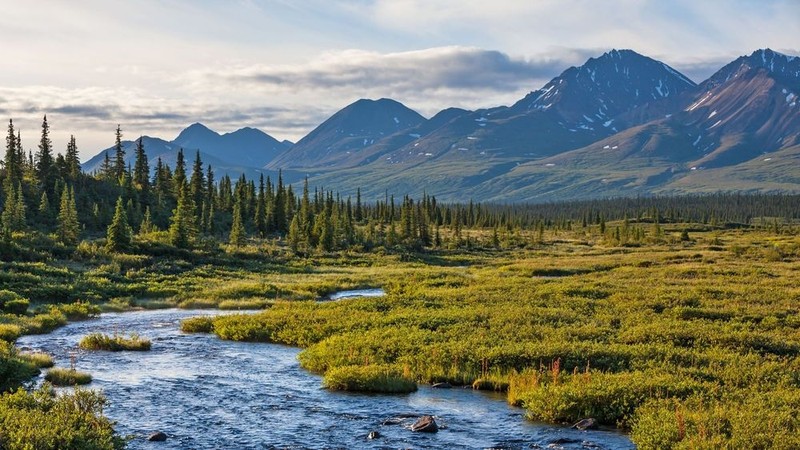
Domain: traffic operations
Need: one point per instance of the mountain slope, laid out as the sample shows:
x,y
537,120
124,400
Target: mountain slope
x,y
580,106
350,131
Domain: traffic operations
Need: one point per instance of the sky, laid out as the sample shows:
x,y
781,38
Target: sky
x,y
157,66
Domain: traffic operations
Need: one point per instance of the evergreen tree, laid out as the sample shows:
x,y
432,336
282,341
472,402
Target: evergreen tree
x,y
237,237
197,187
147,223
260,219
141,173
294,237
68,225
44,209
44,160
119,155
280,206
106,169
181,228
119,232
359,213
14,210
325,233
13,161
179,176
73,163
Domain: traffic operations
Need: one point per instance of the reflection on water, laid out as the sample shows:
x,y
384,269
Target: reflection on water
x,y
205,393
357,293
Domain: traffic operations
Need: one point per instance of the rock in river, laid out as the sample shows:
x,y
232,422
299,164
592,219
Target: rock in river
x,y
585,424
425,424
373,435
157,437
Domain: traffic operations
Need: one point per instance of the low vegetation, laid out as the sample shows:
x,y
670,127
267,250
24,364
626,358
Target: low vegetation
x,y
114,343
60,376
38,359
42,420
653,337
371,378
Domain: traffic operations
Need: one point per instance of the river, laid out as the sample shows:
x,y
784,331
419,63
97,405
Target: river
x,y
206,393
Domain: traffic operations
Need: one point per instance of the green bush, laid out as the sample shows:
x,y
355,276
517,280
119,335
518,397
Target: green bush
x,y
730,422
78,310
373,378
198,325
42,420
67,377
9,332
14,371
114,343
13,303
609,398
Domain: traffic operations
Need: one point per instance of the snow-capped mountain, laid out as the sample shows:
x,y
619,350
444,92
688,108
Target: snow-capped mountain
x,y
620,124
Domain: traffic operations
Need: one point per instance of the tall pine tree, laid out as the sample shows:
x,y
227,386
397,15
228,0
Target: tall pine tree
x,y
119,155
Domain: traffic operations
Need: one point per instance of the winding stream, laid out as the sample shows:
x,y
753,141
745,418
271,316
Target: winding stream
x,y
205,393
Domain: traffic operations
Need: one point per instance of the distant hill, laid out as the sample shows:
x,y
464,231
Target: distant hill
x,y
621,124
244,151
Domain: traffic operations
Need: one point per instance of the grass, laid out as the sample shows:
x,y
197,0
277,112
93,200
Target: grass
x,y
114,343
38,359
578,325
663,337
59,376
379,379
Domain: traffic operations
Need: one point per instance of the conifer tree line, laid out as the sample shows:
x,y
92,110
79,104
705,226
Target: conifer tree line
x,y
46,191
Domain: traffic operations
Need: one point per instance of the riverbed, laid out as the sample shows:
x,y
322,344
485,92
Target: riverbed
x,y
206,393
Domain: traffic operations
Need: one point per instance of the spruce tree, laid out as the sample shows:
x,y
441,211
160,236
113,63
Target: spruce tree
x,y
197,186
141,173
147,223
119,155
13,161
260,219
119,232
68,225
237,237
73,160
44,160
179,176
181,228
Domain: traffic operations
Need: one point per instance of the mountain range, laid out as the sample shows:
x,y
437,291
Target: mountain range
x,y
621,124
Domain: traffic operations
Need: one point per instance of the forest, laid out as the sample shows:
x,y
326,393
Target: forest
x,y
544,302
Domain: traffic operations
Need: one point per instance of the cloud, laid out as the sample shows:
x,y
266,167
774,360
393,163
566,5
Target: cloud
x,y
424,70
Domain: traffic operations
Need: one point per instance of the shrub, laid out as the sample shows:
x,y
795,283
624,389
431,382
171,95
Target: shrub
x,y
78,310
198,325
115,343
13,303
13,370
373,378
720,423
9,332
44,323
43,420
609,398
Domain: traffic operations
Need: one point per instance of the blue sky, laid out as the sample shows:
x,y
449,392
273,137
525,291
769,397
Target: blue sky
x,y
284,66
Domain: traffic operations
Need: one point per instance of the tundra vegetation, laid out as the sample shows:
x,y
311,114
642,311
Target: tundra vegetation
x,y
673,317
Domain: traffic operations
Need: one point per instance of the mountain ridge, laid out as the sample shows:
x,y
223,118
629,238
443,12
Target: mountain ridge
x,y
620,124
